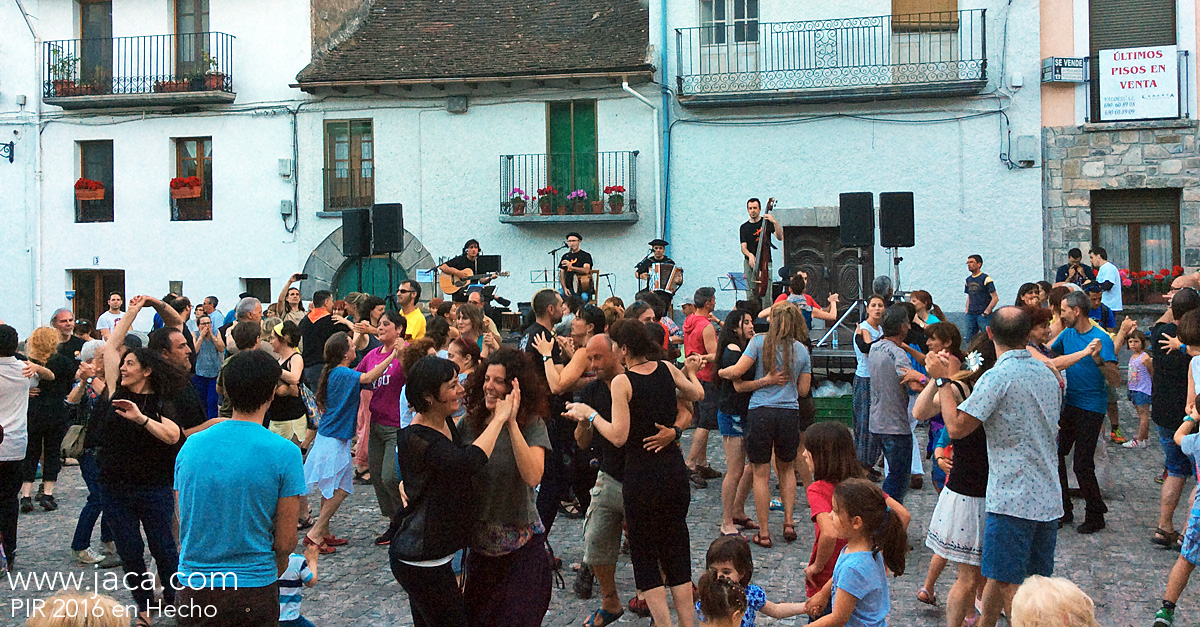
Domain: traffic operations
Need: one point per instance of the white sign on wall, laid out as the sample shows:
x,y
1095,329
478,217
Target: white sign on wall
x,y
1139,83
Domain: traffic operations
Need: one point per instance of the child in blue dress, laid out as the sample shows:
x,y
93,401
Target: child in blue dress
x,y
729,557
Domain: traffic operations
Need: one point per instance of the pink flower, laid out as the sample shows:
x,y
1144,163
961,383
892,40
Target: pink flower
x,y
1126,282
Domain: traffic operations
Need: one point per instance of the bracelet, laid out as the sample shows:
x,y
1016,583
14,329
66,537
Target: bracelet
x,y
546,358
592,418
145,422
1189,419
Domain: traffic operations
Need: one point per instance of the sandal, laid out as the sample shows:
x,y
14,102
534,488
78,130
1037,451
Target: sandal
x,y
926,597
789,532
764,542
571,510
1165,538
745,523
307,523
322,547
333,540
603,618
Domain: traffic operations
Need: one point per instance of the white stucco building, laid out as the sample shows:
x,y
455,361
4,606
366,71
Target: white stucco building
x,y
343,104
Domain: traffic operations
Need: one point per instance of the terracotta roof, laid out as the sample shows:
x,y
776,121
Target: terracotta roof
x,y
426,39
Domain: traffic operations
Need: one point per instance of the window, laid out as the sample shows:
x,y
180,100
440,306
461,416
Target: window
x,y
723,18
924,15
1140,230
191,31
571,158
260,289
96,163
1116,24
193,157
349,164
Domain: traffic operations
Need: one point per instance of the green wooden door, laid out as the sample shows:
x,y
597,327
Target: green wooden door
x,y
571,158
369,275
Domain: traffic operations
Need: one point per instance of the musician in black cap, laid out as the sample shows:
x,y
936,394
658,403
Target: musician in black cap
x,y
575,270
658,248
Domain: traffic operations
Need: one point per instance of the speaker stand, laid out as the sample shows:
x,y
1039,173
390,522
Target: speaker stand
x,y
896,270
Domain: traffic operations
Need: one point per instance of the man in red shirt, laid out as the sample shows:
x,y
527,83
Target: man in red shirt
x,y
700,338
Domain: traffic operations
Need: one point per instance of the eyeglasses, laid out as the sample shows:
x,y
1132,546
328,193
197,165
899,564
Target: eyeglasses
x,y
406,291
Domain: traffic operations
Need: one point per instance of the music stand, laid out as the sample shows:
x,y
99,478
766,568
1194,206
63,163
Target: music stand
x,y
732,282
487,264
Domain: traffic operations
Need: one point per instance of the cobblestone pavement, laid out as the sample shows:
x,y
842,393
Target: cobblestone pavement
x,y
1118,567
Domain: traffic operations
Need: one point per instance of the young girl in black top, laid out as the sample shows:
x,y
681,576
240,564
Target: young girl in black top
x,y
656,485
436,465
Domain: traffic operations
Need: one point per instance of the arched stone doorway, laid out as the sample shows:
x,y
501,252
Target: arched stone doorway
x,y
329,269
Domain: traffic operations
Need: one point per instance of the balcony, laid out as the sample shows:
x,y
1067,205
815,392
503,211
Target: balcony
x,y
349,188
591,172
850,59
155,70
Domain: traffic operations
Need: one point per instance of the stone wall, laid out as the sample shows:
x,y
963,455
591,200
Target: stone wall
x,y
1123,155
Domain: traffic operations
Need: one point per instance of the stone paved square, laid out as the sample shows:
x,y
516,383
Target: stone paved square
x,y
1119,568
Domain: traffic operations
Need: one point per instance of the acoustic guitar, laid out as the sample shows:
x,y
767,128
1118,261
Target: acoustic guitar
x,y
451,284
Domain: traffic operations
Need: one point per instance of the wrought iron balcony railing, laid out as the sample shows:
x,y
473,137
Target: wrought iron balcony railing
x,y
349,188
521,176
880,56
131,68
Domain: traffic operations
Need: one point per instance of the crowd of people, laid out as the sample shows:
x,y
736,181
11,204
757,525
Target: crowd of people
x,y
475,444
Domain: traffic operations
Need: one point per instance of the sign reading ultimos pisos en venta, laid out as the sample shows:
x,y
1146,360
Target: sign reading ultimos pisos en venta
x,y
1139,83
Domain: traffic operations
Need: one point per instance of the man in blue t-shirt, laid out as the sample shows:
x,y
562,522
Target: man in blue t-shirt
x,y
1083,406
981,297
239,489
1098,311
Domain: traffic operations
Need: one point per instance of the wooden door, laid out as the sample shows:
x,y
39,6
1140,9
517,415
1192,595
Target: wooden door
x,y
92,288
831,269
191,32
96,50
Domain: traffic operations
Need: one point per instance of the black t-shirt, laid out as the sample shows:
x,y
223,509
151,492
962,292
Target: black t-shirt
x,y
916,337
314,335
49,406
579,259
189,411
969,474
129,455
71,347
732,402
598,396
643,266
748,234
462,262
1168,393
286,407
561,430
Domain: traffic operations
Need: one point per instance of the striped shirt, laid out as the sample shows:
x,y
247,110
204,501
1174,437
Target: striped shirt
x,y
291,584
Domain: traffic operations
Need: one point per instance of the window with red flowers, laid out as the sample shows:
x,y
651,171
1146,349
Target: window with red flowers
x,y
96,164
193,157
1139,228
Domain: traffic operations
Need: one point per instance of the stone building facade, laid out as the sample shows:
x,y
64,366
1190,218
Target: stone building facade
x,y
1079,160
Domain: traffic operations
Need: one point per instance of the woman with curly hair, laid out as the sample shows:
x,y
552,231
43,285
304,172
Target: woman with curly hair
x,y
48,417
508,569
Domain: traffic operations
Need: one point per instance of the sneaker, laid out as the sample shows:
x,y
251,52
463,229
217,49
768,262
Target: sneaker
x,y
916,482
1161,478
1164,618
584,581
26,504
776,505
1136,443
109,561
47,502
1116,436
87,556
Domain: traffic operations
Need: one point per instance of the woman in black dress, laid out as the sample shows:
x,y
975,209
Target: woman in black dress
x,y
656,485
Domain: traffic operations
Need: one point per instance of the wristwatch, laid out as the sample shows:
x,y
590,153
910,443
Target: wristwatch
x,y
940,381
678,432
546,358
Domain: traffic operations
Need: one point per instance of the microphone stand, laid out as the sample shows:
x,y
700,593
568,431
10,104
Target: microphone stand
x,y
557,272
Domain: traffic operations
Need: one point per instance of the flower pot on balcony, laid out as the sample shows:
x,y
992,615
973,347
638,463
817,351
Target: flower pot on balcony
x,y
89,194
186,192
518,208
214,81
615,206
63,87
579,208
597,206
562,210
546,208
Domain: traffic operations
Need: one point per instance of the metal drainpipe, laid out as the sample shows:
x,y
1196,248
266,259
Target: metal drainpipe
x,y
665,119
36,257
658,206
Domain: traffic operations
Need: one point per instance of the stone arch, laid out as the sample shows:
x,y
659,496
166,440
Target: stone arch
x,y
327,259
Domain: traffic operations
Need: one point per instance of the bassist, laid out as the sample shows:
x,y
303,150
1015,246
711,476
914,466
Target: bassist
x,y
749,235
465,266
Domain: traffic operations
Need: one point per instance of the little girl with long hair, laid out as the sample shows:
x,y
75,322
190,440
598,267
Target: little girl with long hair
x,y
874,528
829,450
729,557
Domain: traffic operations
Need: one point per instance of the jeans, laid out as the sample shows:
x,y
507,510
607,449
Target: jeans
x,y
1080,428
10,488
206,389
129,510
866,445
381,462
92,509
234,607
897,450
432,593
45,445
561,474
975,324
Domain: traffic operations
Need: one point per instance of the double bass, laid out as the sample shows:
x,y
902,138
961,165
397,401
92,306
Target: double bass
x,y
762,272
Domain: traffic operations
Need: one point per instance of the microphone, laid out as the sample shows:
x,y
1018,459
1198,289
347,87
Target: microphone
x,y
558,249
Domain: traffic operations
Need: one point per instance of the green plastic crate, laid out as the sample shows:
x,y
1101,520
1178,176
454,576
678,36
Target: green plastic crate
x,y
839,408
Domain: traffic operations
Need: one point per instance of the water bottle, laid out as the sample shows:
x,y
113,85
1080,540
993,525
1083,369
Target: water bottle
x,y
835,337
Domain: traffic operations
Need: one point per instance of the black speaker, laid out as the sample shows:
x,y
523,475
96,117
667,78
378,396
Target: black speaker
x,y
387,228
857,211
356,233
896,228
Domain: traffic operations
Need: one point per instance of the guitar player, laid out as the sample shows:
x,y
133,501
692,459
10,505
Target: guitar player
x,y
749,234
465,266
575,270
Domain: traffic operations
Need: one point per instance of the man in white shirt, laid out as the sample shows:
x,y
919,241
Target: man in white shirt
x,y
1108,277
109,319
16,377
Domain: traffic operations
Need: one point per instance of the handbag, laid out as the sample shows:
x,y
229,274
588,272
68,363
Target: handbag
x,y
72,443
310,404
408,543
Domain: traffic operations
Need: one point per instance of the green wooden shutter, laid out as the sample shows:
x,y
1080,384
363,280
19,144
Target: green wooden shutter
x,y
583,133
558,148
1118,24
571,158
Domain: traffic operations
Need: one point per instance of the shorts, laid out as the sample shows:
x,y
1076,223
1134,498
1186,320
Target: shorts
x,y
773,429
604,521
1139,399
1191,539
1178,464
297,427
1015,548
730,425
706,410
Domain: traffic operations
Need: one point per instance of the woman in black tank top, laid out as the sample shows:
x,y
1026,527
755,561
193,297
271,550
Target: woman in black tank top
x,y
655,487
